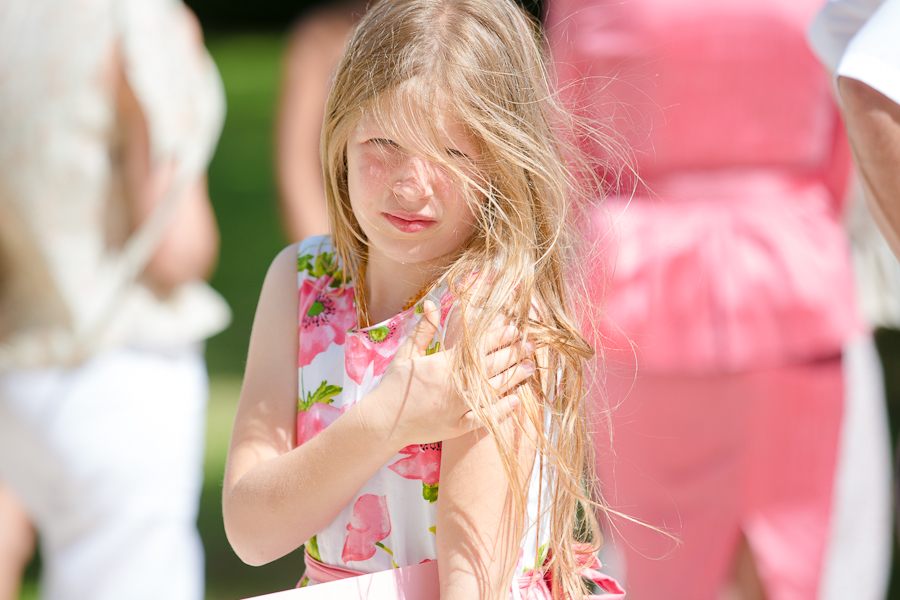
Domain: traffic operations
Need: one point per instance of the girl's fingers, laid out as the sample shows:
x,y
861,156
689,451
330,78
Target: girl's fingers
x,y
431,312
501,409
420,338
513,376
500,336
500,360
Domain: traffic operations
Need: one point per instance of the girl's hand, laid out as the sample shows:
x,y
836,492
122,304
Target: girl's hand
x,y
416,401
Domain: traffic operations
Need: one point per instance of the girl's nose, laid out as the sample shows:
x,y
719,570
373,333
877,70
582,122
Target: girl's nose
x,y
415,180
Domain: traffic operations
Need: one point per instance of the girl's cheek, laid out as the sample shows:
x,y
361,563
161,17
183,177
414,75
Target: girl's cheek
x,y
376,166
453,189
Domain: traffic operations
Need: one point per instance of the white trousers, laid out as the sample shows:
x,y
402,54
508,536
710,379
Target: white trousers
x,y
108,461
858,559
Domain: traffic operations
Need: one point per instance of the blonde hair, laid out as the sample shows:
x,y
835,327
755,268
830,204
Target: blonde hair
x,y
482,62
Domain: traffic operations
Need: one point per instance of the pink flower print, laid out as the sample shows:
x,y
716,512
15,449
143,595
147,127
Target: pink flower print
x,y
315,413
377,346
423,462
325,316
446,303
370,524
310,423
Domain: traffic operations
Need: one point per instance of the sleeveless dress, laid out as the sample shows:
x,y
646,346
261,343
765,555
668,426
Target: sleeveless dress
x,y
391,521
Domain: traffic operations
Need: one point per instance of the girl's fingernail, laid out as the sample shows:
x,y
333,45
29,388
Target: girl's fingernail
x,y
530,346
527,366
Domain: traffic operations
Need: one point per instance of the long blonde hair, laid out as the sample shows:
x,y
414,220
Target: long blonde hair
x,y
482,62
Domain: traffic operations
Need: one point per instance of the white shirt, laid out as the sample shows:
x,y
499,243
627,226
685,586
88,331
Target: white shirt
x,y
67,291
860,39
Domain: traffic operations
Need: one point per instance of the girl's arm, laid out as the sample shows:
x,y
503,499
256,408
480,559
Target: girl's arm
x,y
478,537
277,496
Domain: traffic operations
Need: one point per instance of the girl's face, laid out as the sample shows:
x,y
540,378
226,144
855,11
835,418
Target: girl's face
x,y
410,208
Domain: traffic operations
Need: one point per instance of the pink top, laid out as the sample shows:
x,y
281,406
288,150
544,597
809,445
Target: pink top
x,y
732,255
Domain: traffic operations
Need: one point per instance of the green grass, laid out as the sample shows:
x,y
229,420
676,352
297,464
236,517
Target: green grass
x,y
243,191
29,590
242,186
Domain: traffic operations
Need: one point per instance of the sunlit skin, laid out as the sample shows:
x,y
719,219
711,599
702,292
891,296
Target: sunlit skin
x,y
413,212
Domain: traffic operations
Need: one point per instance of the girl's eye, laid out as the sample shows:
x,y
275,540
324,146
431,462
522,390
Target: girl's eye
x,y
385,142
457,153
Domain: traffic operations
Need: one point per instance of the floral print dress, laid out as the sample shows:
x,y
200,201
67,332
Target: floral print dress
x,y
391,521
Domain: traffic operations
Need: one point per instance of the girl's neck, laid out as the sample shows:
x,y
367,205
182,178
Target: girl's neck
x,y
392,286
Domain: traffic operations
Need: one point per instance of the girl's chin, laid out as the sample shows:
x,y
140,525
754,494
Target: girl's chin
x,y
415,254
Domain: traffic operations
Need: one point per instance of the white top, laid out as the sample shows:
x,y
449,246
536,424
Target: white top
x,y
860,39
67,289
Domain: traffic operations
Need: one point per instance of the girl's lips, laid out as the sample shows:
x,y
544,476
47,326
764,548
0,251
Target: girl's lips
x,y
409,223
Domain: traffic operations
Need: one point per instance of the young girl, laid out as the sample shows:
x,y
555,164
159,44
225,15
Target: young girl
x,y
439,414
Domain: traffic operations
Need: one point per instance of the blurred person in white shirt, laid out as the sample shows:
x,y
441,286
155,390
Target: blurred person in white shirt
x,y
111,111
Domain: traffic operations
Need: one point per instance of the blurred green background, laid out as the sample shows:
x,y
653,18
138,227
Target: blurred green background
x,y
243,191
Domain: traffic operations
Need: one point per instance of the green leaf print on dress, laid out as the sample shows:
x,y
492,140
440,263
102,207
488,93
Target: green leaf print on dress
x,y
388,550
541,557
312,548
430,492
324,393
320,265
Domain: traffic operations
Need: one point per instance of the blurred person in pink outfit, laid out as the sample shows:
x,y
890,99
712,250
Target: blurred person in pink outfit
x,y
744,383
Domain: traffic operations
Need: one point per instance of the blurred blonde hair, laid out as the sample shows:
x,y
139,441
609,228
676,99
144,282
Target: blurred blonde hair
x,y
482,63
